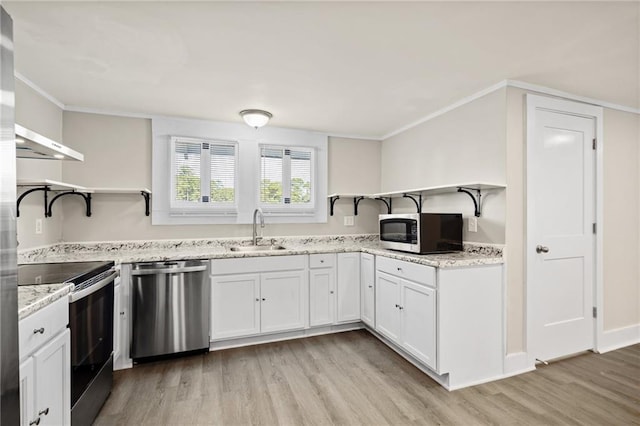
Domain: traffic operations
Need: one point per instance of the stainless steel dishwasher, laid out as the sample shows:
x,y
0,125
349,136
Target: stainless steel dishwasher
x,y
170,306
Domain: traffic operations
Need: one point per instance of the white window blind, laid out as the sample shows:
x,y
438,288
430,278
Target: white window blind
x,y
204,174
286,176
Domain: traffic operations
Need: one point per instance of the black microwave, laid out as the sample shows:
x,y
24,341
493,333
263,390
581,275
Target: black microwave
x,y
423,233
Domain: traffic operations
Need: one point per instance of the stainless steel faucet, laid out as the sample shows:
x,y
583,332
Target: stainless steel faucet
x,y
255,228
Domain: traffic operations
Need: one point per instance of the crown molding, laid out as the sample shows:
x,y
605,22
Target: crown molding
x,y
39,90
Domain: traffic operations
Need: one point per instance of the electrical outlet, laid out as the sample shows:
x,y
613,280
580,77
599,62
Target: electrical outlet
x,y
348,221
473,224
38,226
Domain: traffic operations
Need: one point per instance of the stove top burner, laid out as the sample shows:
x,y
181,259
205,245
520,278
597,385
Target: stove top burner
x,y
55,273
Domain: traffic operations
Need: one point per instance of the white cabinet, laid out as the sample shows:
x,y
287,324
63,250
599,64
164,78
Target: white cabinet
x,y
45,376
334,288
235,306
406,310
117,334
259,295
322,283
367,289
348,287
282,301
450,320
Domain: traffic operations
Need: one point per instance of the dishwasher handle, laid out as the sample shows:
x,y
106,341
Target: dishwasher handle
x,y
156,271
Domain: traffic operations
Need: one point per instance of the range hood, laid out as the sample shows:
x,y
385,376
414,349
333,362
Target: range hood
x,y
30,144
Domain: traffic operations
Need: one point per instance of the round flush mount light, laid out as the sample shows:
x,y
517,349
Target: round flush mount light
x,y
255,117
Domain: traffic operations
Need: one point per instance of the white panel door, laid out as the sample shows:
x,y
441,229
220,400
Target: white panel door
x,y
367,289
387,305
282,301
235,306
561,243
27,393
418,317
348,301
321,296
53,381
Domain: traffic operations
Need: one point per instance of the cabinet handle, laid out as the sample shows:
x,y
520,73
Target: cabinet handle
x,y
35,422
45,412
38,330
122,313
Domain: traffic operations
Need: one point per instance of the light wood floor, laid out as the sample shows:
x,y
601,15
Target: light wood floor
x,y
352,378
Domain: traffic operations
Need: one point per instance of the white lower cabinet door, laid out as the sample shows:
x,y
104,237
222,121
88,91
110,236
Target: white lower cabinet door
x,y
53,381
235,306
418,317
27,393
387,306
116,323
367,289
348,287
321,296
282,300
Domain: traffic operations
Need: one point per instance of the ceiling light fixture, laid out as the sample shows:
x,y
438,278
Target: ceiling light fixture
x,y
255,117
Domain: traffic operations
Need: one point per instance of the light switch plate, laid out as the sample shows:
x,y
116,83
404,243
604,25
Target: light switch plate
x,y
348,221
473,224
38,226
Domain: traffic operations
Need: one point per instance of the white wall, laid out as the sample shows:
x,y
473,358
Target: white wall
x,y
42,116
118,154
464,145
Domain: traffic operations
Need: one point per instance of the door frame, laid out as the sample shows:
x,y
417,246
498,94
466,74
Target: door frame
x,y
532,104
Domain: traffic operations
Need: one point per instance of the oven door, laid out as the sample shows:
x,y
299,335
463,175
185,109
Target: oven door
x,y
91,325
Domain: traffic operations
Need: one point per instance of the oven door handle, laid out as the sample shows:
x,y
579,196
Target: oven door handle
x,y
89,290
169,270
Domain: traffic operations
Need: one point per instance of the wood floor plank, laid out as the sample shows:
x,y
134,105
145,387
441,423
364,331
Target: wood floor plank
x,y
352,378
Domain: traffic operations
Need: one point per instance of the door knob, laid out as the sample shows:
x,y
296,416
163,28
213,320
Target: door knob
x,y
542,249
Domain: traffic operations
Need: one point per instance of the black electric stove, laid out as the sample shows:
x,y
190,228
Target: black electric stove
x,y
91,327
55,273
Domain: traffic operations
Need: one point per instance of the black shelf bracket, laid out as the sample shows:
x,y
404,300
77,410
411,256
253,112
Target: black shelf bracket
x,y
146,197
356,201
417,202
46,190
332,201
386,201
475,198
86,197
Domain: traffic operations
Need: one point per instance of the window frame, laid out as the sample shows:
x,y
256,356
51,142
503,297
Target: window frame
x,y
202,208
286,181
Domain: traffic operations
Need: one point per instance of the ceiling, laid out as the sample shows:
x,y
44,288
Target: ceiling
x,y
360,69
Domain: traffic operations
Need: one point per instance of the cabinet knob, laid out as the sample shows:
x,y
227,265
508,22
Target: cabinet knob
x,y
122,313
400,307
45,412
257,299
399,269
35,422
322,261
397,306
331,292
264,300
370,286
38,330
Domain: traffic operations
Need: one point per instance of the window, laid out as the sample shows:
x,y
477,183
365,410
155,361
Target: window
x,y
286,177
203,175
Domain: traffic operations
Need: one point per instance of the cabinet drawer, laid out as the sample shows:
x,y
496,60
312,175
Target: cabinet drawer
x,y
41,326
323,260
411,271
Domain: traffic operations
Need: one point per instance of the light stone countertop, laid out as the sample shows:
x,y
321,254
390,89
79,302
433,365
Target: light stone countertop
x,y
32,298
163,250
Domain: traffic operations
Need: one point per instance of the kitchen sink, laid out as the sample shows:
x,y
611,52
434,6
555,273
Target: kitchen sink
x,y
256,248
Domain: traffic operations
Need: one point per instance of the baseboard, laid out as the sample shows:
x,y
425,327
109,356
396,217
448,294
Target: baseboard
x,y
278,337
619,338
517,363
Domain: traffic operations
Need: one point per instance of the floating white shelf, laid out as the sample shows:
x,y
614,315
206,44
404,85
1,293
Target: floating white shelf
x,y
385,197
53,185
120,190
